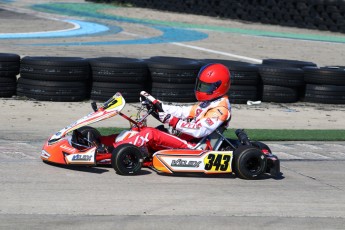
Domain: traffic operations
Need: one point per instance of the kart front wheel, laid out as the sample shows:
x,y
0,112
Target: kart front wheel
x,y
126,159
249,162
86,129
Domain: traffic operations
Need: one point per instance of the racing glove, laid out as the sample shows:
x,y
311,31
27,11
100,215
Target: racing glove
x,y
167,118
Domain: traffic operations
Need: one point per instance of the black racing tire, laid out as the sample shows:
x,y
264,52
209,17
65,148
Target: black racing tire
x,y
173,92
118,62
55,73
282,76
236,65
9,57
7,86
101,91
9,66
9,79
287,63
279,94
177,63
105,96
331,75
261,145
173,69
85,129
249,162
173,87
55,68
58,98
52,90
54,61
174,76
118,69
240,94
79,138
327,94
119,75
244,78
127,159
8,73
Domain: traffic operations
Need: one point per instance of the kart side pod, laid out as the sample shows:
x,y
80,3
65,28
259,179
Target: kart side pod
x,y
193,161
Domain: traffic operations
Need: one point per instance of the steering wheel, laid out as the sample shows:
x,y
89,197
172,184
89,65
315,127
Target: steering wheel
x,y
152,104
153,101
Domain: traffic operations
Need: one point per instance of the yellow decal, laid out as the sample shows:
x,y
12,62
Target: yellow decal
x,y
113,103
218,162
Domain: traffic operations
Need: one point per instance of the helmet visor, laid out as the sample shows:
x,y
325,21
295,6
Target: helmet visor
x,y
206,87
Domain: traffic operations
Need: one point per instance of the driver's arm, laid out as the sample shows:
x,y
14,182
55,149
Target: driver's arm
x,y
181,112
206,125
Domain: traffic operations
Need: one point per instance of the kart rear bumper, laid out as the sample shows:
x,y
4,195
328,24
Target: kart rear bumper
x,y
273,166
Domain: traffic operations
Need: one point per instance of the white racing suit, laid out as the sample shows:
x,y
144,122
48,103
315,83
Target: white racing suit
x,y
193,122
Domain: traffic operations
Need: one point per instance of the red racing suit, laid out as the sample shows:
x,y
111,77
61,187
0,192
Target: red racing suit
x,y
193,122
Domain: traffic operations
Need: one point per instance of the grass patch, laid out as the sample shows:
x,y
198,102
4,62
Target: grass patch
x,y
272,134
292,135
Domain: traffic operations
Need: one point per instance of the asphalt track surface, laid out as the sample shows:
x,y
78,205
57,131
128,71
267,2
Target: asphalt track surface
x,y
34,195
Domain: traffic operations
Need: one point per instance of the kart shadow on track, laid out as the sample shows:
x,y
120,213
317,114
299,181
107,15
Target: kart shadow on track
x,y
89,169
225,175
80,168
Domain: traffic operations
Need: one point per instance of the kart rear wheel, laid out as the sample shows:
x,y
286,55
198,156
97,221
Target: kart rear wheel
x,y
126,159
261,146
249,162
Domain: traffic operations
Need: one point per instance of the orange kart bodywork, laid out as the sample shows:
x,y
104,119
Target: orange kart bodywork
x,y
62,152
60,148
192,161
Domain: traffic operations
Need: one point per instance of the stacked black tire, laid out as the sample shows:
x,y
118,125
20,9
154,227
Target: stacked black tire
x,y
245,80
311,14
9,69
283,80
173,79
54,78
325,85
116,74
170,79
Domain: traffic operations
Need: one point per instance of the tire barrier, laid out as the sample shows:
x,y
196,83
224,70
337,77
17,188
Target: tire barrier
x,y
283,80
54,78
311,14
325,84
279,94
112,74
282,76
171,79
9,69
281,84
287,63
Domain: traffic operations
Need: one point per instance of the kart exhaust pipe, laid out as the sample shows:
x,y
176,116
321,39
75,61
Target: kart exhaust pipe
x,y
242,137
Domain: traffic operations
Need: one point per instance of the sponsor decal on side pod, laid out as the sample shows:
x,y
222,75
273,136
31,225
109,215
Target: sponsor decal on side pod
x,y
87,157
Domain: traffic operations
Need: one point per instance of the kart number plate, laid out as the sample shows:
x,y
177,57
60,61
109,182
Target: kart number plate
x,y
218,162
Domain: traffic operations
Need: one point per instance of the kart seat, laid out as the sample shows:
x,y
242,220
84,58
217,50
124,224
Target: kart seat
x,y
214,139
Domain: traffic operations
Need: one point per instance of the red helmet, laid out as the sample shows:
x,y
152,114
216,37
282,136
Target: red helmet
x,y
213,81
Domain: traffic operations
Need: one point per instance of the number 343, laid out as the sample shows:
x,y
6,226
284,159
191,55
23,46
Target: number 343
x,y
218,162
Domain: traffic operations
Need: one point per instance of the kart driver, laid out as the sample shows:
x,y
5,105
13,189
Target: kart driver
x,y
192,122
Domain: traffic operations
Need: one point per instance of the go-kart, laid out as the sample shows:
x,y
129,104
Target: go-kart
x,y
79,144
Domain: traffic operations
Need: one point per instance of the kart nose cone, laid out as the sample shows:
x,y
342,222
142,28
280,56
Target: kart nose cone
x,y
45,154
